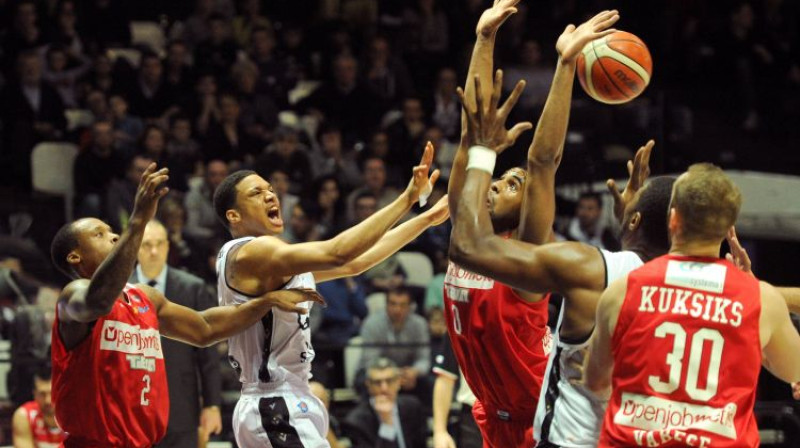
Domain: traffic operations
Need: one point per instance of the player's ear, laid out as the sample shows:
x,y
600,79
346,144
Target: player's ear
x,y
673,221
636,219
233,216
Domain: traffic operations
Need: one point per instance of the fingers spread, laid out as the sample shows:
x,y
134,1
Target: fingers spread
x,y
434,177
505,110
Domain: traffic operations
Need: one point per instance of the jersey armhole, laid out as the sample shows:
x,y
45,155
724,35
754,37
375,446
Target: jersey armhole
x,y
228,258
605,268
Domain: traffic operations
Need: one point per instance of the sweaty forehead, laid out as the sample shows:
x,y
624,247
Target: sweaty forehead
x,y
88,225
251,182
518,173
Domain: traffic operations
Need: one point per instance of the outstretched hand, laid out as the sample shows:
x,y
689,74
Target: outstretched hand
x,y
738,254
151,188
486,124
638,172
421,184
492,18
289,299
573,39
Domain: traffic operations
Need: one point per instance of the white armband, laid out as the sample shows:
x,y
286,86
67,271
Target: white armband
x,y
481,158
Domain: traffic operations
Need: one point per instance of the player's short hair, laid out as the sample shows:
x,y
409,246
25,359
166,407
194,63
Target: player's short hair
x,y
707,200
653,205
225,195
43,372
381,363
65,241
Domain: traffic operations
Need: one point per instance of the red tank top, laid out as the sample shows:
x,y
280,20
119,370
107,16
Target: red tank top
x,y
111,389
43,436
502,343
687,354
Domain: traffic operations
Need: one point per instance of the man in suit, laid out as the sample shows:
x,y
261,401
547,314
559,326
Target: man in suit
x,y
386,419
186,365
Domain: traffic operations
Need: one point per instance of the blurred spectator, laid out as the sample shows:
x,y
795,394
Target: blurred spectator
x,y
444,107
249,18
296,54
178,73
66,30
259,114
344,99
149,97
218,52
127,128
172,214
106,24
227,139
436,326
95,168
32,112
97,103
34,423
287,154
202,224
405,135
25,33
402,336
63,72
203,104
192,373
374,182
434,292
331,159
121,193
588,227
100,77
195,28
386,419
427,39
273,72
537,75
345,311
321,392
302,227
153,144
280,182
386,76
387,274
379,147
329,210
445,151
182,148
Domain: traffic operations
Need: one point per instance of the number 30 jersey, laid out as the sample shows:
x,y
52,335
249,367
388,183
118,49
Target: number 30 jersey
x,y
687,354
501,342
111,389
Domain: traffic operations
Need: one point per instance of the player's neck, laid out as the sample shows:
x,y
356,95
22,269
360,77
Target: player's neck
x,y
695,248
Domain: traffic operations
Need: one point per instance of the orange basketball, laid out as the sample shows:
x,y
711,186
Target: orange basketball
x,y
616,68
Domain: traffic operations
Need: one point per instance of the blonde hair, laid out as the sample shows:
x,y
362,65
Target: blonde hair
x,y
707,200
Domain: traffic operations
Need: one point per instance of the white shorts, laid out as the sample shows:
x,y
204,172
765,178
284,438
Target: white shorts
x,y
289,417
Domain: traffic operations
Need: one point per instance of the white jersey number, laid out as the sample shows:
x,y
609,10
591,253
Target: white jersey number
x,y
456,319
145,390
696,355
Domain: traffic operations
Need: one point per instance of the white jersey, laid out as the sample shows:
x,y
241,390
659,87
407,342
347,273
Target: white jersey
x,y
568,415
278,348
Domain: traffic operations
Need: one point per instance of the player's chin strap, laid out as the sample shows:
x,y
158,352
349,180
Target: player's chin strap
x,y
481,158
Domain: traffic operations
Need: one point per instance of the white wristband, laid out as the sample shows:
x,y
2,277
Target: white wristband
x,y
426,193
482,158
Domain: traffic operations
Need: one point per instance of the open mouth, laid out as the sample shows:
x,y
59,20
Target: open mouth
x,y
274,216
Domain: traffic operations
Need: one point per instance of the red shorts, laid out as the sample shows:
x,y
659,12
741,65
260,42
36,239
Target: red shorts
x,y
516,432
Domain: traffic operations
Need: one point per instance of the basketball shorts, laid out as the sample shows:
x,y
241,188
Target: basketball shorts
x,y
290,417
513,432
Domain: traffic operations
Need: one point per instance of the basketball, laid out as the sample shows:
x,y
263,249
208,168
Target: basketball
x,y
616,68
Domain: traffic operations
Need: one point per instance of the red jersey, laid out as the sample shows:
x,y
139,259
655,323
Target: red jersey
x,y
687,354
43,436
502,343
111,389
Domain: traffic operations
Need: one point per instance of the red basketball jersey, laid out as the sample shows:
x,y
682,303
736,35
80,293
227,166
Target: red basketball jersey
x,y
111,389
502,343
687,354
43,436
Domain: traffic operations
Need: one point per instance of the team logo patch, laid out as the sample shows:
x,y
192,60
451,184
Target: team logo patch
x,y
141,309
303,407
547,341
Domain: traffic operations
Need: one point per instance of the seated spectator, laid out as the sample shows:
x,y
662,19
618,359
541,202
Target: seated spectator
x,y
387,274
259,111
182,148
287,154
63,72
302,227
149,96
334,431
434,292
95,168
386,419
227,138
25,33
280,182
32,112
96,102
328,210
444,107
66,31
121,194
203,106
217,53
378,146
127,128
587,225
386,76
249,18
202,224
178,73
341,319
153,144
436,326
405,135
195,27
34,423
396,325
273,72
101,77
538,75
374,179
173,216
331,159
445,150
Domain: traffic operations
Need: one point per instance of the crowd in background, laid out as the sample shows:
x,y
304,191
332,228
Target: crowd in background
x,y
332,101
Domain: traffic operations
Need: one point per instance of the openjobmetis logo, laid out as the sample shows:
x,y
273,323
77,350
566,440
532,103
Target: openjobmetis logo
x,y
126,338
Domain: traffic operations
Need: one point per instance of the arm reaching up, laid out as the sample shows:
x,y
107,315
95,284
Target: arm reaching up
x,y
545,152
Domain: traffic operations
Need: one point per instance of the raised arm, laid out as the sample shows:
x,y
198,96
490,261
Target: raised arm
x,y
599,360
482,64
85,301
544,154
270,257
393,241
781,343
203,328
